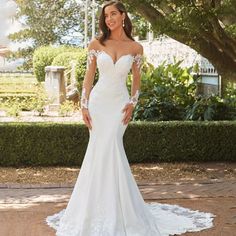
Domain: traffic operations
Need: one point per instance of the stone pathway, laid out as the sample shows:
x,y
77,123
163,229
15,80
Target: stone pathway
x,y
23,207
37,193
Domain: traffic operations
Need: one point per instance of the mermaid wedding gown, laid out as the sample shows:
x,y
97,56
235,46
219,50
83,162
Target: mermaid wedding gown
x,y
106,200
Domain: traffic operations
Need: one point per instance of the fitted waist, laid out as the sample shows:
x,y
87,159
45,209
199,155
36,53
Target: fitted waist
x,y
111,91
110,86
112,79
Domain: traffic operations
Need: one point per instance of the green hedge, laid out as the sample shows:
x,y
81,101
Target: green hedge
x,y
45,144
79,57
43,56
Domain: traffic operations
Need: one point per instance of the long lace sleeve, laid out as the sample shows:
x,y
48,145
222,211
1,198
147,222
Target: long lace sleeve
x,y
136,71
89,77
134,99
138,61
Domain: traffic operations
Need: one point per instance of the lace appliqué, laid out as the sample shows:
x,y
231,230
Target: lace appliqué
x,y
138,59
134,99
99,225
84,100
90,56
102,225
200,220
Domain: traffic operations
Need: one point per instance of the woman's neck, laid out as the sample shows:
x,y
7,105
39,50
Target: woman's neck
x,y
118,35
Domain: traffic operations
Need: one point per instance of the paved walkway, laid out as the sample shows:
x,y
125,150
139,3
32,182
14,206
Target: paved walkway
x,y
23,208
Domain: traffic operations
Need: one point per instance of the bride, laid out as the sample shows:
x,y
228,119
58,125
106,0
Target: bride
x,y
106,200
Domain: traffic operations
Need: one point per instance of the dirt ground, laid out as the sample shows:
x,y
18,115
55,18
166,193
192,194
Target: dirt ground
x,y
159,172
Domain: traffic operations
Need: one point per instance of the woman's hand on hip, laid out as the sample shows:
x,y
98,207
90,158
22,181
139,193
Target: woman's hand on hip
x,y
86,118
128,110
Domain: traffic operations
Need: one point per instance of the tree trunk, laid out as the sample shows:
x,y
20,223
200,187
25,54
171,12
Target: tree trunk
x,y
225,80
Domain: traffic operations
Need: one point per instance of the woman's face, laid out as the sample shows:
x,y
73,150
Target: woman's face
x,y
113,18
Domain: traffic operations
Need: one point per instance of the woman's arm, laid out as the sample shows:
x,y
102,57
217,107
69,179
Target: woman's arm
x,y
88,81
136,72
135,87
90,73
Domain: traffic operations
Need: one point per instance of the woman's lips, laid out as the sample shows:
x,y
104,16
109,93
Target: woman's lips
x,y
111,24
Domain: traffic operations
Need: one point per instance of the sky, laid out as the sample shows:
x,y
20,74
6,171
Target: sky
x,y
8,25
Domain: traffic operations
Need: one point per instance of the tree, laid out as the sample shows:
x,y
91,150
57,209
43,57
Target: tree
x,y
45,22
207,26
140,26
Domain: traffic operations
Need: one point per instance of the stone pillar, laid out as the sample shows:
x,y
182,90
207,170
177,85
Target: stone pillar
x,y
55,85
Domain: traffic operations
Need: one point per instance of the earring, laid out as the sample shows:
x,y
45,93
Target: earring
x,y
123,23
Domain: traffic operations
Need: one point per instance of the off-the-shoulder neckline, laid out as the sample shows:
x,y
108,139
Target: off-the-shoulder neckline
x,y
135,57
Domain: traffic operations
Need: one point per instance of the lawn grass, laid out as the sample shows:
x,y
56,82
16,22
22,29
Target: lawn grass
x,y
19,84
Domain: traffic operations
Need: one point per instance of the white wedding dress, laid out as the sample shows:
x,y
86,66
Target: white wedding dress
x,y
106,200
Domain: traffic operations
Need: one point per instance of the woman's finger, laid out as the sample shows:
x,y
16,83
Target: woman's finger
x,y
127,117
88,124
127,114
90,119
124,109
87,120
127,120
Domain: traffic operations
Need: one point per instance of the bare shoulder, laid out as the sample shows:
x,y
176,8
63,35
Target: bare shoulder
x,y
94,44
137,47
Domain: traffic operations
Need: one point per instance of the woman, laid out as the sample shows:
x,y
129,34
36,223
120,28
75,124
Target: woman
x,y
106,200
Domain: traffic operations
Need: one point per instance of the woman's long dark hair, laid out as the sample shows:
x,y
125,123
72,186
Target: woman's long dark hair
x,y
105,32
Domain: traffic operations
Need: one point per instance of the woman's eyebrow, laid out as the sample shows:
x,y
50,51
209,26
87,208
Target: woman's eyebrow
x,y
111,12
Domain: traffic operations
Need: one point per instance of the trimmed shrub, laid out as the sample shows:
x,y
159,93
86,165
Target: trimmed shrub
x,y
14,103
51,144
44,56
79,57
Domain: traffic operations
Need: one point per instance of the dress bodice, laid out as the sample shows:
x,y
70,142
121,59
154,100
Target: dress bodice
x,y
108,68
111,72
